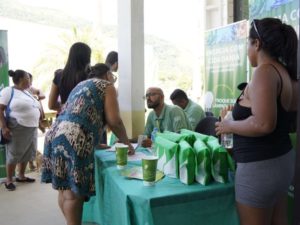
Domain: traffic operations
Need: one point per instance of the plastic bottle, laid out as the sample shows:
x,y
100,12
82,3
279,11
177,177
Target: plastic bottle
x,y
227,139
153,135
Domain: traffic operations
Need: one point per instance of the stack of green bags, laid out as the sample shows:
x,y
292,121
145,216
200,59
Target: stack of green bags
x,y
191,156
167,152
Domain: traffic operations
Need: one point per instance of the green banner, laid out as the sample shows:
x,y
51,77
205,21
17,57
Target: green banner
x,y
3,59
286,10
225,63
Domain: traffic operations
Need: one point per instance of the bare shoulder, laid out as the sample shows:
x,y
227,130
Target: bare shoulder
x,y
265,71
266,78
110,92
110,88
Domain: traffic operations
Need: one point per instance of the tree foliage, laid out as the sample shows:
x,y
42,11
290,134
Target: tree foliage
x,y
55,54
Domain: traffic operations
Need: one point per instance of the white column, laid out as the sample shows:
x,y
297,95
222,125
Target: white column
x,y
131,65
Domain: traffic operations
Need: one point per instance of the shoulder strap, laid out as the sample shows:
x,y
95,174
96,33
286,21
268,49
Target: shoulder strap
x,y
279,78
29,95
7,111
242,92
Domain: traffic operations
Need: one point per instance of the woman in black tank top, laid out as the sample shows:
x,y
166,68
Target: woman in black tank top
x,y
75,71
262,120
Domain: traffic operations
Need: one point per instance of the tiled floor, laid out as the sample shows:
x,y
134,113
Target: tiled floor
x,y
30,204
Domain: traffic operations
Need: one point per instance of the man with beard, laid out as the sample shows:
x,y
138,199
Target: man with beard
x,y
163,117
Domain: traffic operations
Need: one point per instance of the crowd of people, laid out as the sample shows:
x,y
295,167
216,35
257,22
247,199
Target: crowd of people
x,y
85,99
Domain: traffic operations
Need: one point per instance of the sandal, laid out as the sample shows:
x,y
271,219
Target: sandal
x,y
10,187
25,180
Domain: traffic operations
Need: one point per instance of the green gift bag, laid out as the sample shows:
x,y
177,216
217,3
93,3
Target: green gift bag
x,y
175,137
167,152
197,135
219,160
203,163
187,163
2,161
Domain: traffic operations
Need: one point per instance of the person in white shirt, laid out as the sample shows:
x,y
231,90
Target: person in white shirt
x,y
20,127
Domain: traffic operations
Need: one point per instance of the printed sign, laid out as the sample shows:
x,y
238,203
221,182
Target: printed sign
x,y
226,64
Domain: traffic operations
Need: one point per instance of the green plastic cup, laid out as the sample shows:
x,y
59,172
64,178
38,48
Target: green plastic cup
x,y
121,155
149,164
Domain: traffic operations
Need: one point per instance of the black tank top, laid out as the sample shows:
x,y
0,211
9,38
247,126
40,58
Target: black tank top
x,y
277,143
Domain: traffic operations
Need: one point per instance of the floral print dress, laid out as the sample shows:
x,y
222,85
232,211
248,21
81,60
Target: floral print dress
x,y
68,161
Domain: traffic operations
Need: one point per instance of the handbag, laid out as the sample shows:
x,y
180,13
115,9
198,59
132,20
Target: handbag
x,y
4,140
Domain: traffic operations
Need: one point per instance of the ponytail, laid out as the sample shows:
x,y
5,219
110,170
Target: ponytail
x,y
279,41
289,50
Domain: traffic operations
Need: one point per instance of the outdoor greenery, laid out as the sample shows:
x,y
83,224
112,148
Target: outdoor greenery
x,y
174,67
56,54
173,64
41,15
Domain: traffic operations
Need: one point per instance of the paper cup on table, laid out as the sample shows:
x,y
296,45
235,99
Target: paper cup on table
x,y
121,155
149,164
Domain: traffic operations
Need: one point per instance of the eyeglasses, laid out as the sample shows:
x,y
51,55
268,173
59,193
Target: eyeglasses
x,y
256,30
148,95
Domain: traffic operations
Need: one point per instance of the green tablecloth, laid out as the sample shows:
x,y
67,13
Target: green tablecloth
x,y
120,201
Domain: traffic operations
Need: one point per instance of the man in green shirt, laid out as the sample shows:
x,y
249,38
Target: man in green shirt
x,y
194,112
164,117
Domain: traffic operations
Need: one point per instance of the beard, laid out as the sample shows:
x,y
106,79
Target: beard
x,y
153,105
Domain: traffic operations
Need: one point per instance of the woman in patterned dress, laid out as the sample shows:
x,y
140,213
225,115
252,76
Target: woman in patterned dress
x,y
68,161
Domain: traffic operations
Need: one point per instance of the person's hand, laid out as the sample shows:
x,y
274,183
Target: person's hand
x,y
147,143
131,150
222,127
102,146
225,110
6,133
